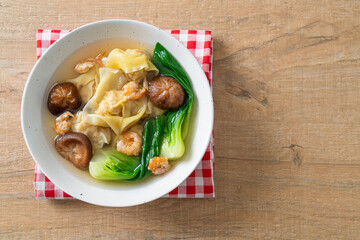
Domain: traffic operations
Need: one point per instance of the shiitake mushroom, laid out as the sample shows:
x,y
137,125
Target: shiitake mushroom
x,y
63,97
166,93
75,147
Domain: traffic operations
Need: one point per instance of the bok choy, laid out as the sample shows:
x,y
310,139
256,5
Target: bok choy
x,y
177,121
153,135
109,164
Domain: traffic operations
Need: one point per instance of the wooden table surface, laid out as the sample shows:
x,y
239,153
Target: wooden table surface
x,y
287,123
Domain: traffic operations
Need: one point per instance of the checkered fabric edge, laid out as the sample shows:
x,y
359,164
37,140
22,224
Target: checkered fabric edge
x,y
200,183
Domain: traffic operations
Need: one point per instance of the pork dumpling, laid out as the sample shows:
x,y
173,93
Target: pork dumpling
x,y
86,83
110,79
137,76
153,111
97,135
111,104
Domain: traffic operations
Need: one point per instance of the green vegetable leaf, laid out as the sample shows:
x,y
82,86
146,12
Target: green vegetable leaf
x,y
109,164
152,139
177,121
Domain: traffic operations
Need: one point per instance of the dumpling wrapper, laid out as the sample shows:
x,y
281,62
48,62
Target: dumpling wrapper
x,y
110,79
129,61
153,111
98,135
86,84
116,123
111,104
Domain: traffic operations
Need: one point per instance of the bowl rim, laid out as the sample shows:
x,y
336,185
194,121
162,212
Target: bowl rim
x,y
54,45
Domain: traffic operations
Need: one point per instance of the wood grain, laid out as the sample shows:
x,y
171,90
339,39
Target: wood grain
x,y
287,129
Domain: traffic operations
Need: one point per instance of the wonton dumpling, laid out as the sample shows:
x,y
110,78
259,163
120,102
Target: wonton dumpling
x,y
97,135
136,76
116,123
110,79
132,107
86,84
111,104
129,61
115,103
153,111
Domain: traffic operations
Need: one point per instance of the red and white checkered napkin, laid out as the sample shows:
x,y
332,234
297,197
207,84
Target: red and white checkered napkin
x,y
200,183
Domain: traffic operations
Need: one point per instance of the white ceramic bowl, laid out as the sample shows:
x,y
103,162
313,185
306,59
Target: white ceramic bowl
x,y
36,123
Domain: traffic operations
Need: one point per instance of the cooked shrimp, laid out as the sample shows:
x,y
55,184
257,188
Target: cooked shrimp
x,y
159,165
129,143
86,64
133,90
63,123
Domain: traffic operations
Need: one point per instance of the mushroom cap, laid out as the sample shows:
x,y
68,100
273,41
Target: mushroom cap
x,y
75,147
166,93
63,97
